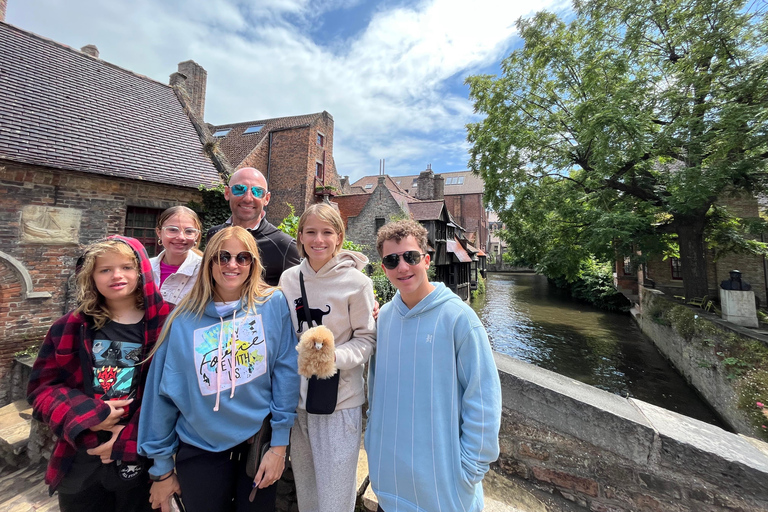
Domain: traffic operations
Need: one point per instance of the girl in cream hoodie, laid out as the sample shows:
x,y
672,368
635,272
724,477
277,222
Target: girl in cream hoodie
x,y
325,447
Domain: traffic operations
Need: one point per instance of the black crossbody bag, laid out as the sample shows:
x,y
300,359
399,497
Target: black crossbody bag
x,y
322,394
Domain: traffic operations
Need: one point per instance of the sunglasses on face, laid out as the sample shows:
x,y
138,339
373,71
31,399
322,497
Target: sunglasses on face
x,y
174,231
391,261
242,259
240,190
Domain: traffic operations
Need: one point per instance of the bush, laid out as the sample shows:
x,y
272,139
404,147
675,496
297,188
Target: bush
x,y
595,286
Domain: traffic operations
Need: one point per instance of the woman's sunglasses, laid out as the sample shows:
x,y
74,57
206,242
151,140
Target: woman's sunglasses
x,y
240,190
243,259
410,257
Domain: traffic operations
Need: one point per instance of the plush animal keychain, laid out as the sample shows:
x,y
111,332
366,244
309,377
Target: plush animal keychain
x,y
317,353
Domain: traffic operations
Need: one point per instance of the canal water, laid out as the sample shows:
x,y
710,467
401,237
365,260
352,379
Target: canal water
x,y
530,319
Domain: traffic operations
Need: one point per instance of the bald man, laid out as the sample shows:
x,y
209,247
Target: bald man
x,y
248,194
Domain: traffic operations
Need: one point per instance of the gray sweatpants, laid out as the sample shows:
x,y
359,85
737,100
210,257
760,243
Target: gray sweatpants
x,y
324,452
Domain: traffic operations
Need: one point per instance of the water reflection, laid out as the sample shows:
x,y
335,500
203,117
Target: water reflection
x,y
527,318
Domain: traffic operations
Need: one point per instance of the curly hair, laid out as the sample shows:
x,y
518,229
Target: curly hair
x,y
400,230
325,213
91,302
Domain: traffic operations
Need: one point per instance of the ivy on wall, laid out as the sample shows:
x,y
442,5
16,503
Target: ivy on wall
x,y
213,210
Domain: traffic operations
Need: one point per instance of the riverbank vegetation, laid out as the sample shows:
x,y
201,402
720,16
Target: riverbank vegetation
x,y
616,132
742,360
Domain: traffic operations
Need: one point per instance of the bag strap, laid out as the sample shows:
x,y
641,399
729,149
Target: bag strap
x,y
304,301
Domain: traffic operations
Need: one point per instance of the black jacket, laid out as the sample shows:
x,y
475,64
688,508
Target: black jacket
x,y
277,250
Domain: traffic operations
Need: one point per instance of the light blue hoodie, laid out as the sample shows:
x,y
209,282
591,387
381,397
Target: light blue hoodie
x,y
434,406
190,395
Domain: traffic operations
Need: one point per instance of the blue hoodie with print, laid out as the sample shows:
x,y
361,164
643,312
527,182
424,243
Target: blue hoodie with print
x,y
200,392
434,406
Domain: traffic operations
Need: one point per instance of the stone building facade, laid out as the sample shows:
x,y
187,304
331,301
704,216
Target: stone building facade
x,y
462,192
665,274
100,163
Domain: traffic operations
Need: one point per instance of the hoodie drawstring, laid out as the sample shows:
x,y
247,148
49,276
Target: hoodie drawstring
x,y
232,359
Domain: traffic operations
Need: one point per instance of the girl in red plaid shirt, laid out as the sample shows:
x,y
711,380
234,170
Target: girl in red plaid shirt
x,y
88,379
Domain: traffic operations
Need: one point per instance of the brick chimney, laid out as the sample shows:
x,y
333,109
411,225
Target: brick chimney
x,y
89,49
426,184
192,77
3,7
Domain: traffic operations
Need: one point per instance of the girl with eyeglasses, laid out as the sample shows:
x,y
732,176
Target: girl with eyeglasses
x,y
175,269
225,360
325,444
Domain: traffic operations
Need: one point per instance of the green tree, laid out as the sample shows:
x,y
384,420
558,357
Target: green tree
x,y
621,128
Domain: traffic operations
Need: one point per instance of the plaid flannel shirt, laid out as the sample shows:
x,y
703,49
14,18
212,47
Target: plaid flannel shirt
x,y
57,388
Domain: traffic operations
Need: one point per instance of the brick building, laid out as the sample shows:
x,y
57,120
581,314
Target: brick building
x,y
294,153
462,192
456,262
87,149
666,275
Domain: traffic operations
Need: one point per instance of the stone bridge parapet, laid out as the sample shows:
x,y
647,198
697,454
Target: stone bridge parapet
x,y
605,453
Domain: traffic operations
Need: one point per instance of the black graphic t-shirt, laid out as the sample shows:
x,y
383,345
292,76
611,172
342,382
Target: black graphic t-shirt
x,y
116,354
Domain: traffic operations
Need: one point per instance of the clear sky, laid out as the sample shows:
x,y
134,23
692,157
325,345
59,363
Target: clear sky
x,y
390,72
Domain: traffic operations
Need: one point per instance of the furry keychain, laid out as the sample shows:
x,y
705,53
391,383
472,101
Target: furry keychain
x,y
317,353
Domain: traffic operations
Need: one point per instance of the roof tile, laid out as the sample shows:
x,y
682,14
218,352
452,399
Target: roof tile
x,y
67,110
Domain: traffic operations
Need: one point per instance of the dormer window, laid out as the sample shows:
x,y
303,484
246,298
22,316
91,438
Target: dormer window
x,y
222,132
253,129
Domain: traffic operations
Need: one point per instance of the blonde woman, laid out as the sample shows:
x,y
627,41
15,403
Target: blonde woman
x,y
175,269
224,361
325,447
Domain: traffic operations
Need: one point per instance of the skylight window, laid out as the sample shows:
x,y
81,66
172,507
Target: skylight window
x,y
222,133
368,186
253,129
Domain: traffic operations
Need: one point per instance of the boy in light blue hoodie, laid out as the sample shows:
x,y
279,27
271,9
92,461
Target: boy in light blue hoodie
x,y
433,388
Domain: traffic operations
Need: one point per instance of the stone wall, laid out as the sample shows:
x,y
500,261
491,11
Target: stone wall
x,y
34,273
605,453
362,228
697,356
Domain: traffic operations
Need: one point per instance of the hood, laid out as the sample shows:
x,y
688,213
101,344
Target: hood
x,y
339,263
155,308
439,296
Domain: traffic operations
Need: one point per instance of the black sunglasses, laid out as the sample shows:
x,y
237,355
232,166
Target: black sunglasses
x,y
243,259
410,257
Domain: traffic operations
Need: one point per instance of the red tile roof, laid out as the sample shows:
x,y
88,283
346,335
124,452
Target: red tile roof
x,y
351,205
63,109
455,247
472,184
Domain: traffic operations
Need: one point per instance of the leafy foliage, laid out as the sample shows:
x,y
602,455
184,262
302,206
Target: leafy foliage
x,y
214,209
594,284
290,225
620,129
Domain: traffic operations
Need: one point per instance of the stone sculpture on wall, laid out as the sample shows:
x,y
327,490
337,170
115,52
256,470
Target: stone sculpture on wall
x,y
50,225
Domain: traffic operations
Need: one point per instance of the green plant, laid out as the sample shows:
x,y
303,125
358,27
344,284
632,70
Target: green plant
x,y
480,288
31,350
213,210
382,288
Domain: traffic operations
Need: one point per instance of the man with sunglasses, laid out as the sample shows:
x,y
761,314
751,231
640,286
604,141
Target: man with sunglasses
x,y
434,395
247,194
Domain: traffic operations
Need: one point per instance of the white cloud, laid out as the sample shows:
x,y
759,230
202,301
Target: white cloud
x,y
391,88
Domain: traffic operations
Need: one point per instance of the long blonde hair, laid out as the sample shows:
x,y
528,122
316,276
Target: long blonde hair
x,y
91,301
325,213
254,290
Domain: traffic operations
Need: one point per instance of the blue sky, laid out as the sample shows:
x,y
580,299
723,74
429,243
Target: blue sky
x,y
390,72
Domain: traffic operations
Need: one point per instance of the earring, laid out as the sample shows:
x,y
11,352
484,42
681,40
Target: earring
x,y
160,242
